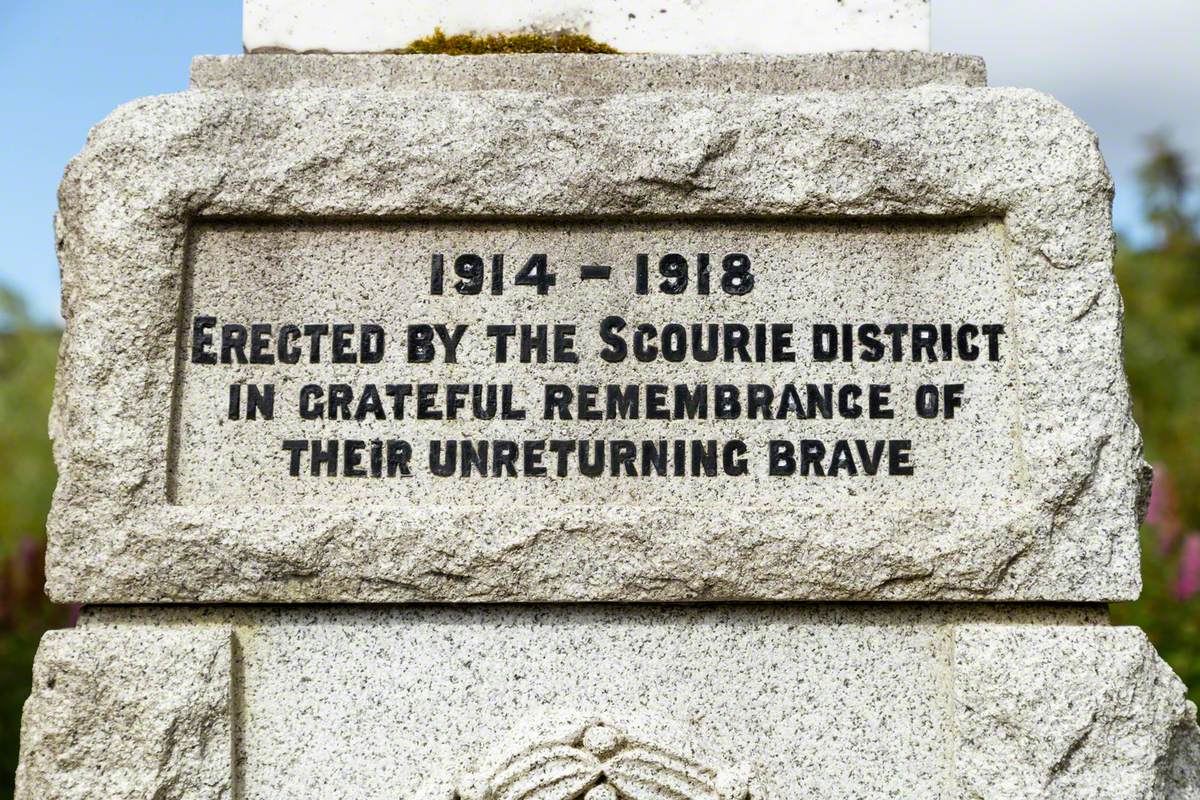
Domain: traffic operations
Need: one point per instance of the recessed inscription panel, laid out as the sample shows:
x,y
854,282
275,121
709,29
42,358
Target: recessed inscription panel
x,y
546,364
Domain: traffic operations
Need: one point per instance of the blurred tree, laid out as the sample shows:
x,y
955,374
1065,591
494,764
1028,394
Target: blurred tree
x,y
1161,290
1166,191
27,358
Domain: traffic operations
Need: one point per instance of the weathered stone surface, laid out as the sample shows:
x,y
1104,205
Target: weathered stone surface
x,y
158,168
670,26
1055,712
783,701
129,714
589,75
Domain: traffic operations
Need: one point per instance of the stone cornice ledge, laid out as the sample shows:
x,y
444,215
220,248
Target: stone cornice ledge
x,y
590,74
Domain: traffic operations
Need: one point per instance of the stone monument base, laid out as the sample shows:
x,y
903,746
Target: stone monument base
x,y
180,208
524,701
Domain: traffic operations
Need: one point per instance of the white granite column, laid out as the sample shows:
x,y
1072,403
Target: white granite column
x,y
631,26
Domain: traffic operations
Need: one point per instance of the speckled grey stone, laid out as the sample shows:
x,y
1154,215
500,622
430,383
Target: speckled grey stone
x,y
1063,519
129,714
589,74
783,701
1053,712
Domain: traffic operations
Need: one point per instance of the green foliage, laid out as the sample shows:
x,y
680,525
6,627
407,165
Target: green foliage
x,y
1161,289
27,359
1166,190
469,44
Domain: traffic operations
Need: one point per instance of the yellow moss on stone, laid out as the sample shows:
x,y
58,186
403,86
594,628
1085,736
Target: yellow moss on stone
x,y
469,44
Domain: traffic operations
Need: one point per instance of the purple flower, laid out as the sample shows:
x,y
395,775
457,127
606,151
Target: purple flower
x,y
6,592
1163,513
1187,583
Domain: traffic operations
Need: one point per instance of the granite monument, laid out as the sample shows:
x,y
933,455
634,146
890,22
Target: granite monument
x,y
523,426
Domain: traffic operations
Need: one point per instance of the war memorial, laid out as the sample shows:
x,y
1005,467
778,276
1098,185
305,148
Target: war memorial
x,y
739,415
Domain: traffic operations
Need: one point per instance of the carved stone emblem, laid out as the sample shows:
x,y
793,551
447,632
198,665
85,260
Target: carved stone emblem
x,y
600,762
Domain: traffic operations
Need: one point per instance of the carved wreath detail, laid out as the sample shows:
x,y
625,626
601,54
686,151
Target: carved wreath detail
x,y
603,763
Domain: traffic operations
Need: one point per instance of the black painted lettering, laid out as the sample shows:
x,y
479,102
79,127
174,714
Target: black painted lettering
x,y
201,339
233,344
781,457
260,344
420,343
295,449
615,348
371,344
450,340
899,451
500,335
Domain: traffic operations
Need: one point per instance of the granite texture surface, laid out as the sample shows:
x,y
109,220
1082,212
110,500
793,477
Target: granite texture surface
x,y
589,75
1050,712
160,166
784,701
129,714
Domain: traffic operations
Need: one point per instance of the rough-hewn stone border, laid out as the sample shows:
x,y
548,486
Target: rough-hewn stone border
x,y
129,714
936,151
1049,711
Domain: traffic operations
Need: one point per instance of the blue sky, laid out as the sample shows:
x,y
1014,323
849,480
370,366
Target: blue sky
x,y
1127,68
64,65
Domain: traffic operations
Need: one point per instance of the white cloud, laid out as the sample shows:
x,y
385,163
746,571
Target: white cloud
x,y
1127,68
